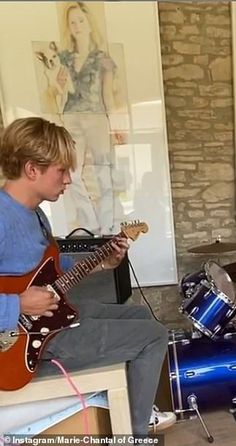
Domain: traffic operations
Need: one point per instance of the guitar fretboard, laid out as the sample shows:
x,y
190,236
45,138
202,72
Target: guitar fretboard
x,y
82,269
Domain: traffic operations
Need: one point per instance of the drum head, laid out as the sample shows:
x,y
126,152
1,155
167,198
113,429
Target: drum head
x,y
220,278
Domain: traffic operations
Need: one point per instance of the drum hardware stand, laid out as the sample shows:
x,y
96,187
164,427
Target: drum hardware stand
x,y
192,402
233,409
196,334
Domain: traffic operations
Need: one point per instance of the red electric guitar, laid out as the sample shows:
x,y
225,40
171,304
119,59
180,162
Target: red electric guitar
x,y
20,350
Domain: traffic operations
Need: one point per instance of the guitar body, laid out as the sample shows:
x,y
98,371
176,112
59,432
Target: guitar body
x,y
20,350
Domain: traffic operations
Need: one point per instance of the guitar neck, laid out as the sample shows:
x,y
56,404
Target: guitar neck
x,y
82,269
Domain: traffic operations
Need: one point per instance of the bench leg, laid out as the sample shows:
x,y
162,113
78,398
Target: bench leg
x,y
119,411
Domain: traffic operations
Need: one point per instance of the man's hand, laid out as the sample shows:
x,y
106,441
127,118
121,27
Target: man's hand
x,y
120,246
38,301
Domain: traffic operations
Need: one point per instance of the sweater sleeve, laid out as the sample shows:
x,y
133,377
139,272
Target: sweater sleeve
x,y
9,311
9,303
2,239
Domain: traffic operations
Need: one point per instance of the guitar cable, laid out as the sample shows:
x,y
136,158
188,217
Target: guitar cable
x,y
141,292
77,392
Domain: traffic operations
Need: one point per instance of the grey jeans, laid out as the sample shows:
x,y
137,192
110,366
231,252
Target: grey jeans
x,y
111,333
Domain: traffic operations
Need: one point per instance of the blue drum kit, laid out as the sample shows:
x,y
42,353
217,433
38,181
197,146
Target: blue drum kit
x,y
202,362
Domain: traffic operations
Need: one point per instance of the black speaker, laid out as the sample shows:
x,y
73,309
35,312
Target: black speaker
x,y
109,286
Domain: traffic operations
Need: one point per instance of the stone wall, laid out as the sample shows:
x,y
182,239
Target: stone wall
x,y
197,72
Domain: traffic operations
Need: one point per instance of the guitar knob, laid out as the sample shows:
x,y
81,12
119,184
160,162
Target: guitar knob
x,y
36,343
44,331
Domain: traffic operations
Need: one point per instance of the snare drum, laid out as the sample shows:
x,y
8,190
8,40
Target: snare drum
x,y
203,368
212,305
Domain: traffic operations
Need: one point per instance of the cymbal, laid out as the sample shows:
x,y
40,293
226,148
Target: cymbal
x,y
214,248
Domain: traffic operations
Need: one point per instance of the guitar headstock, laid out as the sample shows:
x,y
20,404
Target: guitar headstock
x,y
133,229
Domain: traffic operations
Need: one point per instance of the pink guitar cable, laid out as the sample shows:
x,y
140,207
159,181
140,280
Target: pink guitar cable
x,y
75,388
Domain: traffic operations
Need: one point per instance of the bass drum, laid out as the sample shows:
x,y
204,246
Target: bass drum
x,y
203,368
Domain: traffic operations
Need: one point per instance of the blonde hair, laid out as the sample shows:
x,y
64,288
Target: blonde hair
x,y
38,140
68,41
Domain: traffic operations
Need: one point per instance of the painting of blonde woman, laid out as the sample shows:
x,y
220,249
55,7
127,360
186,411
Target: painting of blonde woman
x,y
90,114
82,87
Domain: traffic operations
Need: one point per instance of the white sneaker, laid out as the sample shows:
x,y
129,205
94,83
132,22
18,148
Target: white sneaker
x,y
161,420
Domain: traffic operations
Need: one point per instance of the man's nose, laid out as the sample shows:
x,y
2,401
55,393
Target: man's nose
x,y
67,178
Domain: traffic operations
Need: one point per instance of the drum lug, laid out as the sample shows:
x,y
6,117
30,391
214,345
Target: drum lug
x,y
194,310
217,329
230,312
189,374
232,367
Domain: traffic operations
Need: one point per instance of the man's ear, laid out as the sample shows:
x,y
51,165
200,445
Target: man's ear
x,y
31,170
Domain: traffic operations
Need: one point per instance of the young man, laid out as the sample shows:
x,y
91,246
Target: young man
x,y
36,158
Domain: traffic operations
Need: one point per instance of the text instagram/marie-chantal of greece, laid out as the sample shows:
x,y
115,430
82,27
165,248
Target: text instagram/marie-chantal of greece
x,y
80,439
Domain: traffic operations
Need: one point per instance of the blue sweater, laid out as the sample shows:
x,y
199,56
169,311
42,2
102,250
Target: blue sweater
x,y
22,245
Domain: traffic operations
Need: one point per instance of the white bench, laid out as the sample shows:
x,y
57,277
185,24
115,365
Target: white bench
x,y
111,379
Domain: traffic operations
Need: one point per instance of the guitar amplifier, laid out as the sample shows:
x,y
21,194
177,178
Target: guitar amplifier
x,y
109,286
